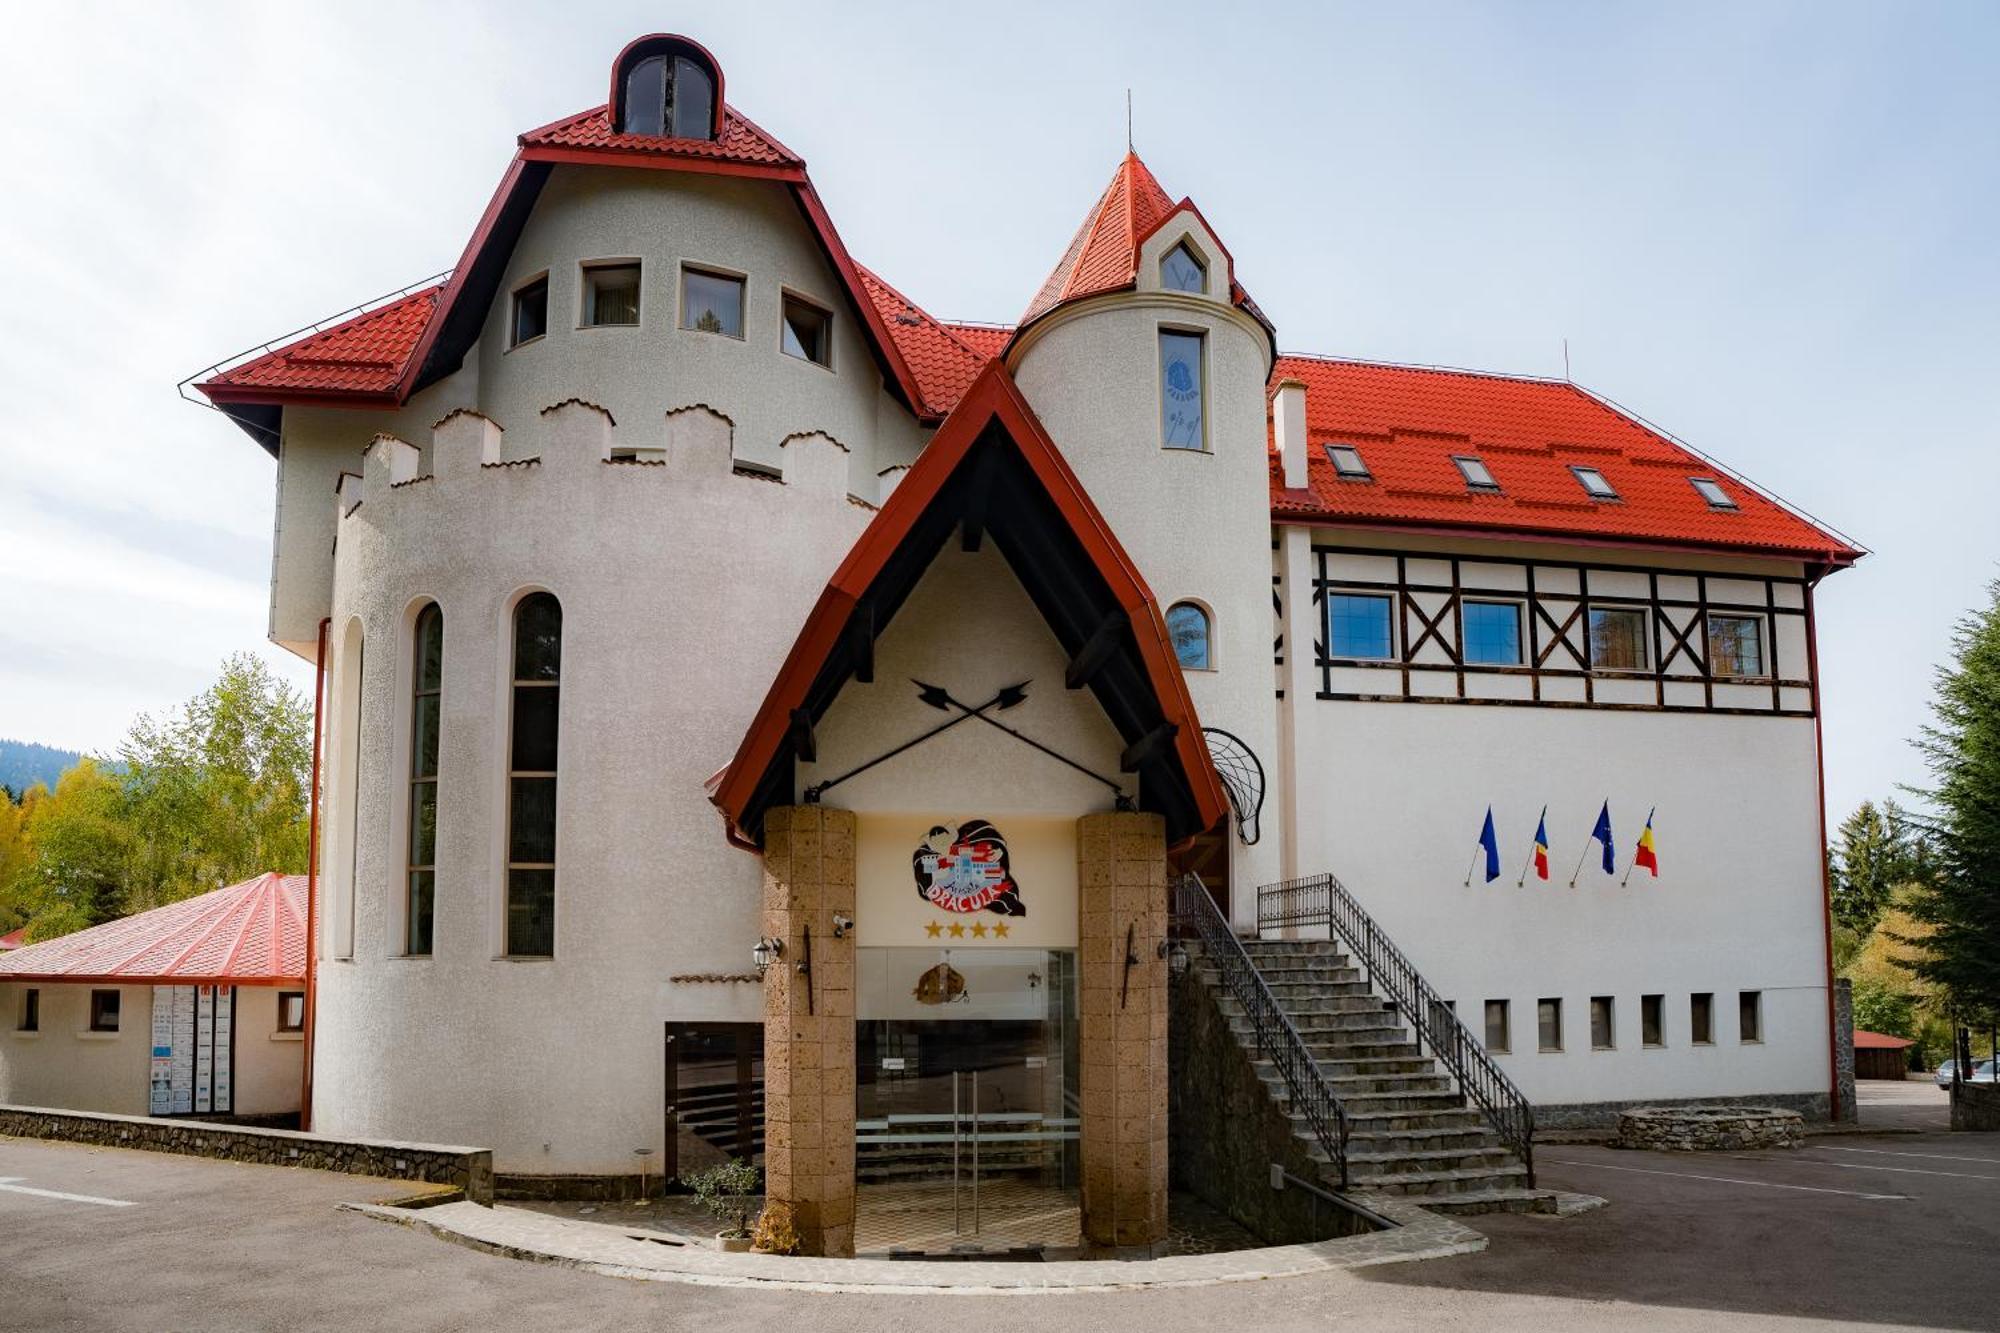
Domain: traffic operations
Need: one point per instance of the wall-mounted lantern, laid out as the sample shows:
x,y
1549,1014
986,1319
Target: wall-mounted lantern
x,y
766,952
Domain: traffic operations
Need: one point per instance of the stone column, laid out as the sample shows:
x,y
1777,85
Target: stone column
x,y
1122,883
1843,1049
809,1043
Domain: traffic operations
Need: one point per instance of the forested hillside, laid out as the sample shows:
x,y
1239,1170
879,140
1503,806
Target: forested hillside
x,y
24,763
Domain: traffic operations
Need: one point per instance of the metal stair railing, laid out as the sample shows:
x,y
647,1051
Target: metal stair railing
x,y
1322,900
1196,915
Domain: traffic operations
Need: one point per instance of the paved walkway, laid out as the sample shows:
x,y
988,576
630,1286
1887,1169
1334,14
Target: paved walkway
x,y
1914,1104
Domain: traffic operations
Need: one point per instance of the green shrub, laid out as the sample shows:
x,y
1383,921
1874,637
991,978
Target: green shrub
x,y
728,1190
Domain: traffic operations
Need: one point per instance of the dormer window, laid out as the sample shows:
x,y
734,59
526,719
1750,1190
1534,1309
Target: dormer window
x,y
1181,271
1711,490
1476,476
1594,484
666,87
1347,464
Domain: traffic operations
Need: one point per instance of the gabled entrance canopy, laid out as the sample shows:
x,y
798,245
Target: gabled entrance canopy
x,y
991,472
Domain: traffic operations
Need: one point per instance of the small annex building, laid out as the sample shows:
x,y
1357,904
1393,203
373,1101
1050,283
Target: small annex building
x,y
1879,1055
196,1008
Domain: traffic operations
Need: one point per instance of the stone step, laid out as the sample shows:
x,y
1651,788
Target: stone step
x,y
1261,948
1346,1086
1397,1121
1335,1020
1414,1065
1297,1007
1274,964
1472,1203
1421,1140
1373,1166
1425,1183
1313,982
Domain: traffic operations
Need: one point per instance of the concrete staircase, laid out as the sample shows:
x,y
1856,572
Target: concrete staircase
x,y
1412,1132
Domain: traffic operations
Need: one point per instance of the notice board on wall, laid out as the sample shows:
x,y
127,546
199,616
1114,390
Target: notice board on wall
x,y
194,1050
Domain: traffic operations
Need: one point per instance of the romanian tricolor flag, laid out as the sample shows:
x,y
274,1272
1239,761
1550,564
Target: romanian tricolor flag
x,y
1646,856
1542,846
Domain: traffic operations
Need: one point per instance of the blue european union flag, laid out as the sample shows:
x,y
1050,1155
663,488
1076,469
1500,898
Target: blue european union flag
x,y
1491,842
1603,834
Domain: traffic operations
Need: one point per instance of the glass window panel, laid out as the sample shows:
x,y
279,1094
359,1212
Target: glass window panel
x,y
429,647
1496,1025
1701,1018
535,722
1187,626
538,638
1492,633
1617,639
1180,390
693,100
1594,483
1603,1033
1360,626
531,913
1736,645
532,822
423,885
104,1010
711,303
1712,492
1549,1021
804,334
1653,1020
645,97
1180,271
423,824
531,311
1476,474
1347,461
611,294
424,736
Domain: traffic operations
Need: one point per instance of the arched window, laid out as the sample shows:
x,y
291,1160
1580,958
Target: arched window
x,y
531,777
1187,626
1182,271
667,89
426,701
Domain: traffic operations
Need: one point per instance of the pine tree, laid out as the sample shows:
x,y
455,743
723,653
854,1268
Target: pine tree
x,y
1960,897
1877,850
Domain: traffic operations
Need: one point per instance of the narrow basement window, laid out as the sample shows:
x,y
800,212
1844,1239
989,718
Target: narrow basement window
x,y
1594,484
1496,1026
31,1010
1653,1020
1603,1028
1701,1018
1750,1016
1711,490
1549,1024
807,332
1478,477
1347,463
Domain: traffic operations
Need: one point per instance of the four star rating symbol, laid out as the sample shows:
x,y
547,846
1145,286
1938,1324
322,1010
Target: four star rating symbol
x,y
957,930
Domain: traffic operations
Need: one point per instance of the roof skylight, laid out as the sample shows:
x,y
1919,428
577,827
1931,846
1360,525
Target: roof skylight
x,y
1711,491
1476,475
1347,463
1594,484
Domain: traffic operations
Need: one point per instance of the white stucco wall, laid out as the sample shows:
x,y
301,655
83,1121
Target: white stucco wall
x,y
682,586
268,1062
1197,523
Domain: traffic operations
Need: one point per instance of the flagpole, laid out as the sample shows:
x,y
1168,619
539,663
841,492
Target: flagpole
x,y
1473,866
1522,882
1579,861
1635,846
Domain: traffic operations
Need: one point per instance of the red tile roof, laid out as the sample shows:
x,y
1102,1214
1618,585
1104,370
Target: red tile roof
x,y
250,933
989,340
741,141
364,355
1879,1041
941,361
1103,256
13,939
1409,421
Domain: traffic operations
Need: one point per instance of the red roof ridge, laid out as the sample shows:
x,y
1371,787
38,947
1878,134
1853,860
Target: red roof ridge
x,y
1329,358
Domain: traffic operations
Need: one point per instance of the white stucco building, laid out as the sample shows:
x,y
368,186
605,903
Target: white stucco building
x,y
603,541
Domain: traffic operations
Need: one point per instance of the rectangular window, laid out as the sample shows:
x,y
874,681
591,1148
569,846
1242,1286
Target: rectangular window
x,y
711,302
531,778
1701,1018
1617,638
610,294
1359,625
1549,1024
1710,490
1497,1037
806,332
426,702
1347,464
1594,484
1492,633
531,312
104,1011
1603,1028
1750,1016
291,1011
1653,1020
1478,477
1736,645
1181,390
31,1010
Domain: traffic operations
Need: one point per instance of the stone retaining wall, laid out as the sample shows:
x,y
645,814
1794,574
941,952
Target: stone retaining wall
x,y
467,1169
1709,1128
1976,1107
1604,1115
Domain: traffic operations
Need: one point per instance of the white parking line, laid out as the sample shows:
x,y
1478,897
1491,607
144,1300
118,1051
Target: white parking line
x,y
1720,1180
12,1185
1934,1156
1903,1170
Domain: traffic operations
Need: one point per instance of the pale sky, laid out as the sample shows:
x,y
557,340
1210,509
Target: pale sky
x,y
1769,228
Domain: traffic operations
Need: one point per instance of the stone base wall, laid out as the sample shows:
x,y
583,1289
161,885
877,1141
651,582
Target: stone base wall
x,y
1976,1107
1227,1131
467,1169
1709,1129
1849,1111
1812,1106
809,1025
1122,1022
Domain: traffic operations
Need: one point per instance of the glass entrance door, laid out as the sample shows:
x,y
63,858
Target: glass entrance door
x,y
966,1128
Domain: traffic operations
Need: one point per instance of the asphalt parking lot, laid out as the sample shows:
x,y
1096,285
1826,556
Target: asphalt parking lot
x,y
1875,1229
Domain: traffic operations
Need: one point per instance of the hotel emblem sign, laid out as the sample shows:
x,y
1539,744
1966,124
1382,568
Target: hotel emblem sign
x,y
967,870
